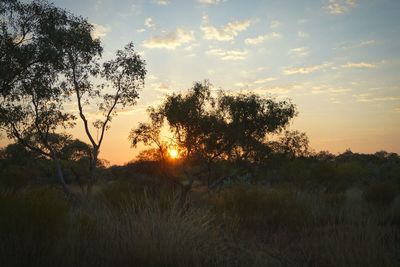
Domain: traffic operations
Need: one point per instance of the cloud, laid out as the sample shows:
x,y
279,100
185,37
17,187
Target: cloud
x,y
355,44
171,40
163,88
340,6
304,70
256,82
367,98
265,80
329,89
368,42
149,23
228,54
275,24
99,31
224,33
358,65
262,38
299,51
210,2
278,91
141,30
302,34
161,2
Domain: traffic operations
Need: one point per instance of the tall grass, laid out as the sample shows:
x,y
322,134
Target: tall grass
x,y
245,225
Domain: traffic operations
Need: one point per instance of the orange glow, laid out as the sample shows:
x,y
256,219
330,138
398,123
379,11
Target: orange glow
x,y
173,153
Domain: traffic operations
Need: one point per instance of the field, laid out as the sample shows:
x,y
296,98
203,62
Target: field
x,y
315,211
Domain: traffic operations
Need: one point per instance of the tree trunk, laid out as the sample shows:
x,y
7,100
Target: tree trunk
x,y
60,175
93,170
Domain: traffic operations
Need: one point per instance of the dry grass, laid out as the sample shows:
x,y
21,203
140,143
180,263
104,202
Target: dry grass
x,y
135,228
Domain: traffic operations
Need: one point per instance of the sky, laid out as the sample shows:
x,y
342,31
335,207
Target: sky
x,y
338,60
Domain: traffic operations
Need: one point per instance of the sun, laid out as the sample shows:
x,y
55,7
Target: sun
x,y
173,153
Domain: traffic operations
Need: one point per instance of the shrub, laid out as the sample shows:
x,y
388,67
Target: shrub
x,y
366,244
259,208
380,193
29,225
324,176
395,211
146,235
14,177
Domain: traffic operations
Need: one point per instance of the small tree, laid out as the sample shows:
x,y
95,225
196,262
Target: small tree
x,y
207,128
293,144
122,78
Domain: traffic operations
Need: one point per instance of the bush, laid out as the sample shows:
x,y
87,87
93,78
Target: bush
x,y
259,208
324,175
380,193
14,177
146,234
30,223
395,211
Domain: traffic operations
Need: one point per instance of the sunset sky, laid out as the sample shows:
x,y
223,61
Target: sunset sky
x,y
338,60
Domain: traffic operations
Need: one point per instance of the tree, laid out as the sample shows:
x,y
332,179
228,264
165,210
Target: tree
x,y
123,76
294,144
32,44
47,56
18,167
207,128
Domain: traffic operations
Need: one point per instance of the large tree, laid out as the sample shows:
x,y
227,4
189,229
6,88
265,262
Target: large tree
x,y
48,56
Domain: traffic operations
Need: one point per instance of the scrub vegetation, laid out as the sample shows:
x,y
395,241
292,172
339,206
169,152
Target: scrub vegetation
x,y
232,186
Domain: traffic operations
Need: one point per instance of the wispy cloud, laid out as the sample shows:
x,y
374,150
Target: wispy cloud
x,y
328,89
99,31
299,52
302,34
256,82
210,2
275,24
262,38
224,33
228,54
355,44
149,23
170,40
163,88
305,69
161,2
265,80
279,91
358,65
340,6
368,98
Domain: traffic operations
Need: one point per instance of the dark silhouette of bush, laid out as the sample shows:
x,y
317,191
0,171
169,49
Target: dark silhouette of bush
x,y
381,193
30,224
262,209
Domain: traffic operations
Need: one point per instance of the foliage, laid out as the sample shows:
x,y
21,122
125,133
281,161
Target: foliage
x,y
48,55
381,193
262,209
30,224
208,129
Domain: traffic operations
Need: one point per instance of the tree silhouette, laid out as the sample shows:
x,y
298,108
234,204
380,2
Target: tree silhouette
x,y
33,41
47,56
122,78
206,128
